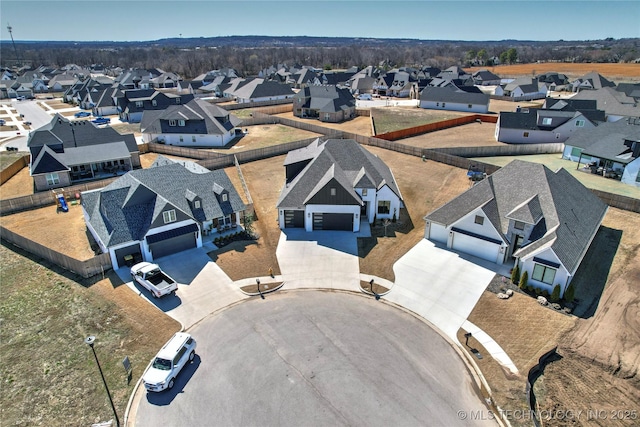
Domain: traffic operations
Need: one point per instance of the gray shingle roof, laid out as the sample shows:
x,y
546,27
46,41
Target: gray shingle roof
x,y
200,116
571,212
607,140
344,160
611,101
325,98
124,210
452,94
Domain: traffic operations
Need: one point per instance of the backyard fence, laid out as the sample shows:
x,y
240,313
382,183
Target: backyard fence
x,y
13,168
432,127
519,98
191,153
85,268
504,150
243,105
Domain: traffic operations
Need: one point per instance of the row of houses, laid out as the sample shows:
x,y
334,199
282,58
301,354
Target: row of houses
x,y
524,214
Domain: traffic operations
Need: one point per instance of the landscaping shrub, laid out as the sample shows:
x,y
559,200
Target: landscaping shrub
x,y
555,295
524,279
545,294
570,293
515,275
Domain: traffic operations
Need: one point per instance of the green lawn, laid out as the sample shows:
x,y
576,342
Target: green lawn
x,y
555,161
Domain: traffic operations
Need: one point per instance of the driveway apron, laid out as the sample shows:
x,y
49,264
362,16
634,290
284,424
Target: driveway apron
x,y
439,285
320,259
202,287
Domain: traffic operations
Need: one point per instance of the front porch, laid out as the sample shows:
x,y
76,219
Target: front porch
x,y
100,170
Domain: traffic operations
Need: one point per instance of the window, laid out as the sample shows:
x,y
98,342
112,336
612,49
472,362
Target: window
x,y
196,204
543,273
172,122
154,102
181,123
437,104
444,104
547,121
53,179
181,138
479,219
364,191
181,353
178,100
193,138
576,151
470,106
518,225
169,216
139,104
526,134
225,197
579,123
333,191
384,207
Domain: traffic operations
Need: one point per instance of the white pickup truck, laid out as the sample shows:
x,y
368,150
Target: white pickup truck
x,y
152,278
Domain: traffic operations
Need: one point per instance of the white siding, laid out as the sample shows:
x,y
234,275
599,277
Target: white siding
x,y
453,106
385,194
630,175
187,139
438,233
562,276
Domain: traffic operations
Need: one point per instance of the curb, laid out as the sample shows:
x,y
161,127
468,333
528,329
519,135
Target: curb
x,y
266,291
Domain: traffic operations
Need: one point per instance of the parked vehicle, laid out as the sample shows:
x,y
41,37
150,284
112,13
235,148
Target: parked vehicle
x,y
2,122
27,123
365,97
82,114
153,279
169,361
21,98
101,120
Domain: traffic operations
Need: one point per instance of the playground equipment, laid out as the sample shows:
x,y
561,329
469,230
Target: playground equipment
x,y
474,173
61,201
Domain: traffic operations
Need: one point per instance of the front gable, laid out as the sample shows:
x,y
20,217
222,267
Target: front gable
x,y
167,214
333,193
477,222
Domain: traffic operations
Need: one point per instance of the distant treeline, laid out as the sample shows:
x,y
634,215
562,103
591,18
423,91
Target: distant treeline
x,y
249,54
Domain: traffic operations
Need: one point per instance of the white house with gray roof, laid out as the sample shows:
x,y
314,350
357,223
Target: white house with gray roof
x,y
334,185
452,98
155,212
197,123
524,214
612,149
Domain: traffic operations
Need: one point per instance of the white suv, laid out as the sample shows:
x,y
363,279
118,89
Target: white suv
x,y
169,361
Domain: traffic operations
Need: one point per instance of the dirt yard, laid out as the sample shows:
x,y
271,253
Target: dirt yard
x,y
49,377
360,124
469,135
261,136
622,72
424,187
390,119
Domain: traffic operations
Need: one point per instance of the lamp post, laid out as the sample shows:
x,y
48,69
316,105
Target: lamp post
x,y
372,291
89,341
258,283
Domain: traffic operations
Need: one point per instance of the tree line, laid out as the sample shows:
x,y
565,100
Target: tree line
x,y
191,60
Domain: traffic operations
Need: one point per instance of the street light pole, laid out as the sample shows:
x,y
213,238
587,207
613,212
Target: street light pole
x,y
89,341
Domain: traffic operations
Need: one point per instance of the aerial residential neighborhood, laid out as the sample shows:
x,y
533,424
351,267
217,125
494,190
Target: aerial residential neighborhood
x,y
319,230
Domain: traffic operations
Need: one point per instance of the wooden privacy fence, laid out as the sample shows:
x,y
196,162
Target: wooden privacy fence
x,y
432,127
45,198
13,168
85,268
191,153
504,150
231,107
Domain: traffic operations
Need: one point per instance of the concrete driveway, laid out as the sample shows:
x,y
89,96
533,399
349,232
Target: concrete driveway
x,y
202,287
317,359
322,259
440,285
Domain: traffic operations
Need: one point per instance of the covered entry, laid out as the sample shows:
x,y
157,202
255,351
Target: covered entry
x,y
173,241
333,221
293,219
476,245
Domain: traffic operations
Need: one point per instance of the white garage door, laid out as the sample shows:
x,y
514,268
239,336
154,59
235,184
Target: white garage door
x,y
476,247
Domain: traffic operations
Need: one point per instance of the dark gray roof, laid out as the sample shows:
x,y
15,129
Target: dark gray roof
x,y
200,116
124,210
60,135
344,160
611,140
612,101
452,94
571,212
596,80
258,88
325,98
532,119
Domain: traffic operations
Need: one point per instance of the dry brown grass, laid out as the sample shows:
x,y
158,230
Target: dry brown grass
x,y
625,72
360,125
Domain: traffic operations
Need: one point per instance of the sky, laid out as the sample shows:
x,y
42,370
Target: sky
x,y
145,20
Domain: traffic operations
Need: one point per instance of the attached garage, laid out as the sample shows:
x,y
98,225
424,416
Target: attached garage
x,y
333,221
293,219
476,245
173,241
120,253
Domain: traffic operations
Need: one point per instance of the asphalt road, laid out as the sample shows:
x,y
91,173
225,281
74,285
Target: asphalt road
x,y
32,113
317,358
